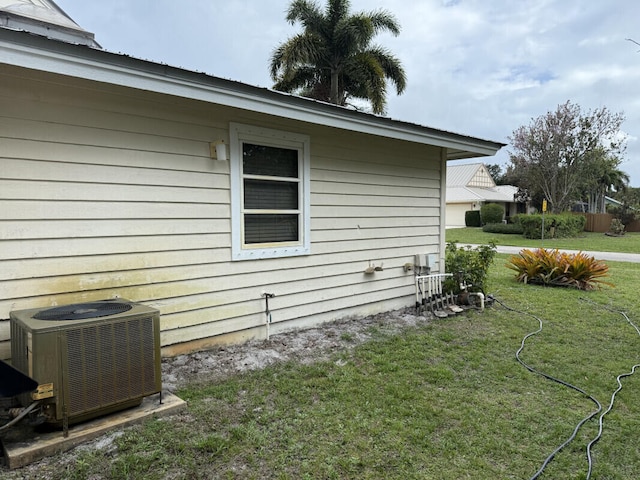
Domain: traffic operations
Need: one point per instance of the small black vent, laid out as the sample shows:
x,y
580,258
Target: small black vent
x,y
80,311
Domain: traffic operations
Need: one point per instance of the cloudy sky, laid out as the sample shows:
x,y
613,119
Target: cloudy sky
x,y
476,67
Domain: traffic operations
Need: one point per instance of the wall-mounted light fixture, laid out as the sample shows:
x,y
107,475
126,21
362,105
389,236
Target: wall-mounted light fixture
x,y
218,150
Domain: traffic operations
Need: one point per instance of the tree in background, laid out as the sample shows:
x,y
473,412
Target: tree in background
x,y
630,208
333,60
553,154
602,178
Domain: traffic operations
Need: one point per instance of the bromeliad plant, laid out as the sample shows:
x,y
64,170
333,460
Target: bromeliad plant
x,y
559,269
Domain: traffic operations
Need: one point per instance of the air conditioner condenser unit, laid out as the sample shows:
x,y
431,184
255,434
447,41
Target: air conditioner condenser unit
x,y
89,359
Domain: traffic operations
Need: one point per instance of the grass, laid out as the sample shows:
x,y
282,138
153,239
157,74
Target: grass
x,y
446,400
589,241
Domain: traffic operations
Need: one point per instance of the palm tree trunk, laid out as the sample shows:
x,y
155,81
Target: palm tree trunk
x,y
334,88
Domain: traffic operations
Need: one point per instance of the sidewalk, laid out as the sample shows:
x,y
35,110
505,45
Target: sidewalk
x,y
614,256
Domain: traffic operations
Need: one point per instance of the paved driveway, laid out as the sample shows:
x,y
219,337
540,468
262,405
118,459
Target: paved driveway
x,y
614,256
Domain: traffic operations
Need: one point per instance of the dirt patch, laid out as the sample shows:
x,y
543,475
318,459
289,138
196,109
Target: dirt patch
x,y
304,346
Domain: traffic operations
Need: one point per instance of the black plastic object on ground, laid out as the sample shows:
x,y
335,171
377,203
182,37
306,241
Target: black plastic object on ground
x,y
13,382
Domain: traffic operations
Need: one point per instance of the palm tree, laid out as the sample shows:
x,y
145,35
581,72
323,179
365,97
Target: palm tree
x,y
612,180
333,60
603,177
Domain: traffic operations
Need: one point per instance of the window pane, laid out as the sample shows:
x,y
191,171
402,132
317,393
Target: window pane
x,y
269,161
270,228
268,195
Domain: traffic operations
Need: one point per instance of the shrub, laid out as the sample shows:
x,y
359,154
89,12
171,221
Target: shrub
x,y
617,227
555,226
625,214
471,264
472,218
555,268
491,213
509,228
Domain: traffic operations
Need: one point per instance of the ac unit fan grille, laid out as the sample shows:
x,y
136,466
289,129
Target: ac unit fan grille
x,y
110,363
81,311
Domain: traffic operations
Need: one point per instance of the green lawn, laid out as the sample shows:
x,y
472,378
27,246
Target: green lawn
x,y
628,243
446,400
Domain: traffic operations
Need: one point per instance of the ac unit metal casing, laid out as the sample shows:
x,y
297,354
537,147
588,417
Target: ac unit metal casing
x,y
89,366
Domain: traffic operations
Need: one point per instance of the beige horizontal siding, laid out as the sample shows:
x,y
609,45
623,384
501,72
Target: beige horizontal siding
x,y
95,264
337,299
370,201
22,158
320,224
80,228
106,192
110,192
197,280
64,247
97,210
379,180
396,191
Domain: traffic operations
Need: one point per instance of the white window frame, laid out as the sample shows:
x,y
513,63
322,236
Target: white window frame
x,y
239,133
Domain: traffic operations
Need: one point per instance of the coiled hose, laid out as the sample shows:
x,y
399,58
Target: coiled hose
x,y
554,379
613,395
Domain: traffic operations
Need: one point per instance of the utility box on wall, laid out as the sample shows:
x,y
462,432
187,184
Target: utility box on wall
x,y
426,260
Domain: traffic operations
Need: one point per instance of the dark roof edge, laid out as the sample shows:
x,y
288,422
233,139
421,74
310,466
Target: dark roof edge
x,y
82,61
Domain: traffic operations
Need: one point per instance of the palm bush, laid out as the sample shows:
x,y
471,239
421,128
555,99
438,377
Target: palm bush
x,y
555,268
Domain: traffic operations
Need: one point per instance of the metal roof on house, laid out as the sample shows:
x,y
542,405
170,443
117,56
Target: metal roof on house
x,y
469,175
500,193
43,17
36,51
472,183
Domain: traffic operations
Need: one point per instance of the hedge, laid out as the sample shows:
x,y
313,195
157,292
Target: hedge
x,y
555,226
472,218
508,228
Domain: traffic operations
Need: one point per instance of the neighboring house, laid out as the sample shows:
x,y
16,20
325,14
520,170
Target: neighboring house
x,y
605,202
108,188
469,187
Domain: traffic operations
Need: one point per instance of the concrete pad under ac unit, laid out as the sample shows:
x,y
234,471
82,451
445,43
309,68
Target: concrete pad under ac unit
x,y
22,447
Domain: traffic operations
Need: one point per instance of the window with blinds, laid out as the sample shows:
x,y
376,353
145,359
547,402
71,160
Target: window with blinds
x,y
270,193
